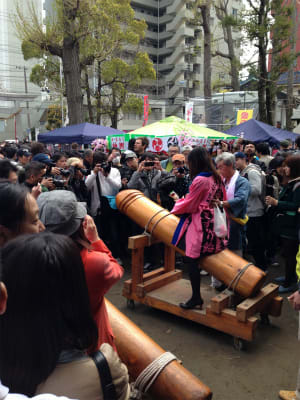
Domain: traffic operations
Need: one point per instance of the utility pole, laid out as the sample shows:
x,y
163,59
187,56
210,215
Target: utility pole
x,y
27,102
158,44
62,94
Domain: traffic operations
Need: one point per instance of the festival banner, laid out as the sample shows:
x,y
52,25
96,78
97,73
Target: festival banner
x,y
146,109
117,141
189,106
243,116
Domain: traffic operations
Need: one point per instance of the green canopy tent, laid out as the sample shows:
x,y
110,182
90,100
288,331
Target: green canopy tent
x,y
171,130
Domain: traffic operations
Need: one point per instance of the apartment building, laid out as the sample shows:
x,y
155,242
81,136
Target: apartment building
x,y
20,100
175,46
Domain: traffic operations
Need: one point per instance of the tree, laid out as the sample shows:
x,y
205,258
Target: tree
x,y
201,18
117,80
80,32
228,22
259,24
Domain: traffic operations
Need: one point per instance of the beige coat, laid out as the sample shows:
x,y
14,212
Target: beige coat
x,y
80,379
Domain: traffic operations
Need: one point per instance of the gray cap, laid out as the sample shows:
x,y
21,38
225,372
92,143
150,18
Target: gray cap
x,y
129,154
60,211
187,147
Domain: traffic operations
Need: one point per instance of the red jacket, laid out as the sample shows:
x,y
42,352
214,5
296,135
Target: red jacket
x,y
101,272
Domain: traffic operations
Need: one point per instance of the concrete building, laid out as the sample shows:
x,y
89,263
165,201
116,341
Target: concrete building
x,y
175,46
20,100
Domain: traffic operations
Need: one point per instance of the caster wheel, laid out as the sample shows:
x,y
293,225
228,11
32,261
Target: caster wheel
x,y
130,304
239,344
265,320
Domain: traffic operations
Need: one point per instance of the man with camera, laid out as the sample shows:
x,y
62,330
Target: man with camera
x,y
176,185
130,165
34,176
104,183
147,176
76,179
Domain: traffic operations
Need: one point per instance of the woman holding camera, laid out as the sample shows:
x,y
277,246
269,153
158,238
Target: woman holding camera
x,y
195,233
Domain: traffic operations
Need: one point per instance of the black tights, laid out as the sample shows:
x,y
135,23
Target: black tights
x,y
195,277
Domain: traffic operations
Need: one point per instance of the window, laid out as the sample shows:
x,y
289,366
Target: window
x,y
235,12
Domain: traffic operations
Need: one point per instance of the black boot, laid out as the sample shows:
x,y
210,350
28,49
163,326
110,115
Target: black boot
x,y
192,303
195,279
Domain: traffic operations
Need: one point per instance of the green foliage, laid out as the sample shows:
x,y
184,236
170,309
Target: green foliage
x,y
47,74
101,29
29,50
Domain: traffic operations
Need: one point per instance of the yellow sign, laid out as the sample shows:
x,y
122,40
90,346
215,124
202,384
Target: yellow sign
x,y
243,116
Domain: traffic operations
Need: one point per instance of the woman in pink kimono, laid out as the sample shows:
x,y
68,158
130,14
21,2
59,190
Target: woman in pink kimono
x,y
195,231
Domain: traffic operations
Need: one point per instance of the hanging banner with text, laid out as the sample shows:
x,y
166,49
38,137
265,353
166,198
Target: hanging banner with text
x,y
243,116
146,109
189,106
158,144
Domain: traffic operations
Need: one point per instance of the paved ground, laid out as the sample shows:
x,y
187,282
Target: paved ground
x,y
269,364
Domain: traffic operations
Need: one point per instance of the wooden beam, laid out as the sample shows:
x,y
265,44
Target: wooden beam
x,y
157,282
256,304
219,302
137,267
140,241
146,277
169,258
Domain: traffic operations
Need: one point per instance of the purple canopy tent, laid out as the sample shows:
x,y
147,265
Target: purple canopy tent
x,y
82,134
257,131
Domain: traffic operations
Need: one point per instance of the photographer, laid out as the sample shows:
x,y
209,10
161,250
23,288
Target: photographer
x,y
147,176
34,173
104,183
176,185
76,181
130,165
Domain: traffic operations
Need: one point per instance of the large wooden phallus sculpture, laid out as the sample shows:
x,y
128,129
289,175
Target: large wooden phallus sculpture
x,y
137,351
225,266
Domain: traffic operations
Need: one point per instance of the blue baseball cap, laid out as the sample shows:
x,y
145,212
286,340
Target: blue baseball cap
x,y
42,158
240,154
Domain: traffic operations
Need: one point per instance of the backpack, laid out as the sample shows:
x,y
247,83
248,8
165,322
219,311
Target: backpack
x,y
256,169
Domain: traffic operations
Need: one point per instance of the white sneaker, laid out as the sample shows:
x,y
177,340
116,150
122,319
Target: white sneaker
x,y
203,272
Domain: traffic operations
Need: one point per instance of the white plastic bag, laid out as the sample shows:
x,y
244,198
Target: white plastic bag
x,y
220,222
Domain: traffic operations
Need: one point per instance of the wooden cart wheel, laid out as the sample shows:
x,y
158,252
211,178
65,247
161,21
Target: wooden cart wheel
x,y
239,344
130,304
265,320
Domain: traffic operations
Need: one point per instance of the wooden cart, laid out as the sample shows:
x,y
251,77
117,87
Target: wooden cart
x,y
164,289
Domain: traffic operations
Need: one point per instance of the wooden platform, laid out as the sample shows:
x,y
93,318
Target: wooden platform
x,y
168,297
164,289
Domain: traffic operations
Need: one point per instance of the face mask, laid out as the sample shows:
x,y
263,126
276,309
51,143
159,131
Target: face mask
x,y
116,160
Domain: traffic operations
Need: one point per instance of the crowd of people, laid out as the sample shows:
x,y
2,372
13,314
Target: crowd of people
x,y
58,215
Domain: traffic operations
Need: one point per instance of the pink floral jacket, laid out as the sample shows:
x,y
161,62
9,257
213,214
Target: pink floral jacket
x,y
200,239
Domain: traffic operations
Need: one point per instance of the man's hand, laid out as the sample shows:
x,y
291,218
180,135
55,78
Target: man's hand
x,y
157,165
97,169
270,201
90,229
48,183
176,173
141,166
294,300
55,171
36,191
